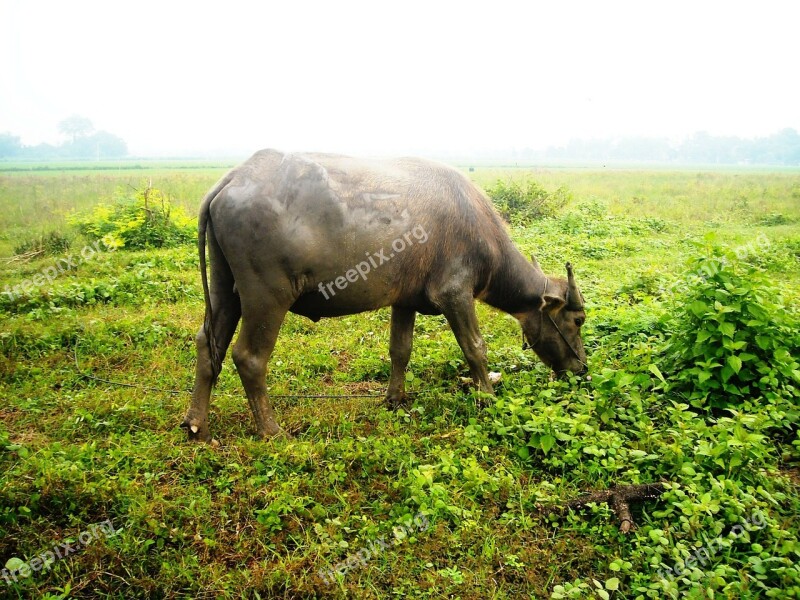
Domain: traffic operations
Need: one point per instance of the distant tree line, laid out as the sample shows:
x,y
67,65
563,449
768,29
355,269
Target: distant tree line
x,y
82,141
782,148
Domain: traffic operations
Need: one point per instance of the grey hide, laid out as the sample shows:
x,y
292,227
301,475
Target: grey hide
x,y
324,235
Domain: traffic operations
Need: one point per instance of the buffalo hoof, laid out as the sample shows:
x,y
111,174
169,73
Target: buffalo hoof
x,y
196,430
277,434
271,430
397,401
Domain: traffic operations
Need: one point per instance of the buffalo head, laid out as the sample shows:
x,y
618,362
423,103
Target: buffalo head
x,y
553,330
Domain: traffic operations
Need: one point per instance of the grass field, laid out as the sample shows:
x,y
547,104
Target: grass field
x,y
438,500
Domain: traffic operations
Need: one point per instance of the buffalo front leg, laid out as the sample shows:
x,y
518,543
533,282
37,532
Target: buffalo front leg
x,y
460,314
400,341
251,355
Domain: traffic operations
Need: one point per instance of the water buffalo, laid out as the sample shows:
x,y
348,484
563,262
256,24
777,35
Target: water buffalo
x,y
323,235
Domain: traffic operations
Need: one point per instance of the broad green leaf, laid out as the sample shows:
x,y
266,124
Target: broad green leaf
x,y
655,371
703,376
698,308
727,373
764,342
735,363
14,563
703,335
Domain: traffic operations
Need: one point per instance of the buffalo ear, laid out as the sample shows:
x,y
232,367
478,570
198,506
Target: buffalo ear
x,y
553,304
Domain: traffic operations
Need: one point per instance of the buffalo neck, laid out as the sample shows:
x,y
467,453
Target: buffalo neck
x,y
516,284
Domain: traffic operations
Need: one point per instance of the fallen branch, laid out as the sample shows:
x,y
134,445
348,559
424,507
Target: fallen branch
x,y
618,497
25,256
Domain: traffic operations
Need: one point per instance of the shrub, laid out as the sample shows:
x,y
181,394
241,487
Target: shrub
x,y
144,221
521,204
51,243
731,341
773,219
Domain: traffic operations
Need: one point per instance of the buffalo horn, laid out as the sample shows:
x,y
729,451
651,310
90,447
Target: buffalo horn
x,y
574,297
536,263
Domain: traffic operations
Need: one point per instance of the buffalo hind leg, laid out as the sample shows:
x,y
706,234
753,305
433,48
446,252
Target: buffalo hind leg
x,y
196,420
401,337
251,354
225,311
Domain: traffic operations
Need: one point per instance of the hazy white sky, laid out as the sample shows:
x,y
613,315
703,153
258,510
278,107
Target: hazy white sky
x,y
387,78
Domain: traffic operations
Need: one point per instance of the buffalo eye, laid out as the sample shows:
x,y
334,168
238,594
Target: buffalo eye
x,y
579,321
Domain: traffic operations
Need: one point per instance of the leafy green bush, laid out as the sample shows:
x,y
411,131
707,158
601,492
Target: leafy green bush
x,y
781,255
50,243
731,340
145,221
773,219
521,203
591,219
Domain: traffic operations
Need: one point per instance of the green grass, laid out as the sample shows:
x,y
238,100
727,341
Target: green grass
x,y
682,196
252,517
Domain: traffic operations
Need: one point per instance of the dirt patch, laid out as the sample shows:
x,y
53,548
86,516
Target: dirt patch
x,y
793,473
